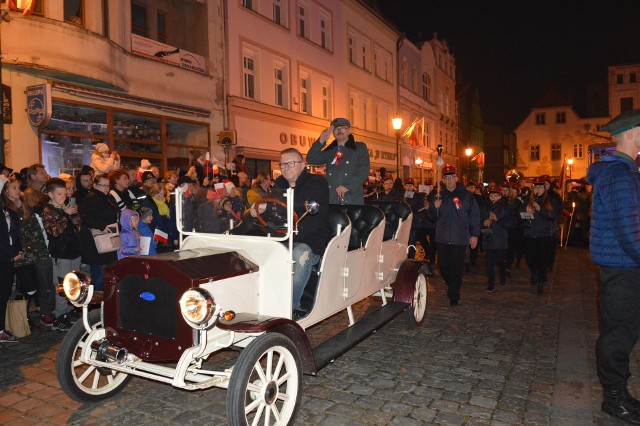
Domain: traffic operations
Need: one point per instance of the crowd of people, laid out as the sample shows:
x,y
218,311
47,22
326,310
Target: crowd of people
x,y
52,222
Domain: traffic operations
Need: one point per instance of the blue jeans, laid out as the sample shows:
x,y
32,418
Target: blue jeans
x,y
304,259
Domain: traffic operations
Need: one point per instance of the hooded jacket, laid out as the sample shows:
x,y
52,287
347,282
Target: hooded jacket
x,y
350,171
615,220
128,238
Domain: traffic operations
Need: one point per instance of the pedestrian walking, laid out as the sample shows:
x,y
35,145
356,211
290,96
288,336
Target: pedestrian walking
x,y
457,218
615,248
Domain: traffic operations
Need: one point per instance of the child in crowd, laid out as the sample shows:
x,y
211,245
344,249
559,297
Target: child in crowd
x,y
62,224
146,217
129,235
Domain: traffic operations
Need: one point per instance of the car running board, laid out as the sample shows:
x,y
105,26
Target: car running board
x,y
332,348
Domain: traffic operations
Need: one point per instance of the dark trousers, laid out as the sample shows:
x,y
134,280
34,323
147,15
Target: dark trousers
x,y
516,246
620,324
6,286
38,276
537,252
451,262
431,251
495,257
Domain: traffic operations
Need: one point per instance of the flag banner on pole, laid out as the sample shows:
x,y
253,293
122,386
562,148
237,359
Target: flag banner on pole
x,y
563,171
415,132
480,158
161,236
26,6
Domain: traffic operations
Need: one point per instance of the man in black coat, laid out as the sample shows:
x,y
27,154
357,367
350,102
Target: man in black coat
x,y
314,232
457,217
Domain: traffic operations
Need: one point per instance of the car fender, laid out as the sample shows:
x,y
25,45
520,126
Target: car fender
x,y
403,287
251,323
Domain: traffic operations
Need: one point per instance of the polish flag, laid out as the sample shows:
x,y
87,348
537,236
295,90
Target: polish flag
x,y
25,5
161,236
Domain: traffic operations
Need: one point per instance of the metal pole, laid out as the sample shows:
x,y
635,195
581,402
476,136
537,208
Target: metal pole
x,y
398,153
3,15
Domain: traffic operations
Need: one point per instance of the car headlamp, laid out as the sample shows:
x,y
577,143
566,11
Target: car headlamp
x,y
197,306
76,286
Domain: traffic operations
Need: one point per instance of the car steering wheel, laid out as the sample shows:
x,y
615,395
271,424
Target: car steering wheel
x,y
263,222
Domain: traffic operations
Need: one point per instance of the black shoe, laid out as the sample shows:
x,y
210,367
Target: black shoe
x,y
616,403
490,289
298,314
503,282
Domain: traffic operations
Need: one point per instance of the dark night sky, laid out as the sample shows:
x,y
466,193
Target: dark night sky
x,y
514,50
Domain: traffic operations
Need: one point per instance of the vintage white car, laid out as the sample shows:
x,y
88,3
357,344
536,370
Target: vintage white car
x,y
164,317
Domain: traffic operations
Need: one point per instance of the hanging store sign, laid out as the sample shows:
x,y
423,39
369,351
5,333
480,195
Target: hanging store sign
x,y
39,104
169,54
6,105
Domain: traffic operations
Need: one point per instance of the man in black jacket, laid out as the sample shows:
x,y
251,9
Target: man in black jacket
x,y
458,226
314,232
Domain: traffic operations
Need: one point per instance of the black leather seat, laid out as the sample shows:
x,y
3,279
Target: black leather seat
x,y
393,212
364,219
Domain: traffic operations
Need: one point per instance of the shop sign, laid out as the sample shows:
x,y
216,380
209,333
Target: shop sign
x,y
294,139
377,154
39,104
6,105
168,54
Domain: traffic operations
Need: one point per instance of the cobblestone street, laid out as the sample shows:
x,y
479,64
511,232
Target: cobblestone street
x,y
508,357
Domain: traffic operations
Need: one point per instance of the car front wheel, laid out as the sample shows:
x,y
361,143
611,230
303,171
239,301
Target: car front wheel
x,y
415,313
266,384
81,381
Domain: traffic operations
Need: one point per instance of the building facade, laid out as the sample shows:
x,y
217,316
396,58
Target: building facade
x,y
293,65
624,88
553,133
144,77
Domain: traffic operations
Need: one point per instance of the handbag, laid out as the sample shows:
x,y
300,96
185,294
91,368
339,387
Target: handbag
x,y
107,240
16,318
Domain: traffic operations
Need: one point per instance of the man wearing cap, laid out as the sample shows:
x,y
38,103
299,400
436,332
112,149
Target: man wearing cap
x,y
347,162
102,162
457,218
495,222
615,248
388,193
418,232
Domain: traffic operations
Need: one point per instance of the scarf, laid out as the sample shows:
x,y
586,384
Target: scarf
x,y
163,208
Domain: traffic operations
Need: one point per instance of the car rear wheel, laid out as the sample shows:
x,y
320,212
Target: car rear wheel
x,y
81,381
266,384
414,315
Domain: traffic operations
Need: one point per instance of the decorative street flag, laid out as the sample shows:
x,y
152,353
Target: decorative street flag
x,y
415,132
480,158
25,5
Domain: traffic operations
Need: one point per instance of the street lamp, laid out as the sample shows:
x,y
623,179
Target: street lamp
x,y
468,152
397,125
570,163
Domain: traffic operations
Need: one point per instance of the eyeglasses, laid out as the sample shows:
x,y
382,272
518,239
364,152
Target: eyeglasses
x,y
289,164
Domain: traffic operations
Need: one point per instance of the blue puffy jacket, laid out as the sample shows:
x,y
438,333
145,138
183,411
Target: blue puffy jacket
x,y
615,219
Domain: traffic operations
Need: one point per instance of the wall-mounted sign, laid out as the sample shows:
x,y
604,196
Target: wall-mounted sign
x,y
39,104
169,54
6,105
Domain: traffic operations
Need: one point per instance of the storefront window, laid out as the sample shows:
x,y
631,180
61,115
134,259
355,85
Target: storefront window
x,y
184,143
68,140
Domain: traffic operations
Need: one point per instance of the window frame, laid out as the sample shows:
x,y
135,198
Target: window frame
x,y
534,153
556,151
